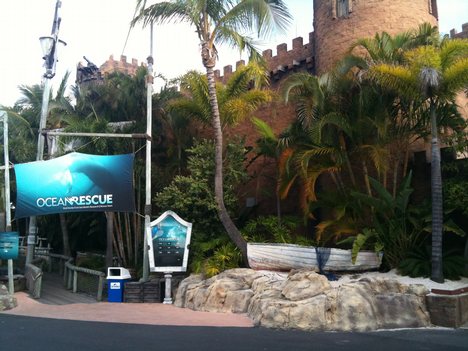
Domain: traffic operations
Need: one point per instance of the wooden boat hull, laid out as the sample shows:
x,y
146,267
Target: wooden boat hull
x,y
284,257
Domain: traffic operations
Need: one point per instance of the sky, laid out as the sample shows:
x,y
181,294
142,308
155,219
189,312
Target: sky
x,y
98,28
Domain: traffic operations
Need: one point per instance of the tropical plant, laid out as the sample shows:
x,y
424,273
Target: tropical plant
x,y
192,197
268,146
267,229
418,263
219,22
237,99
96,109
434,75
211,257
395,227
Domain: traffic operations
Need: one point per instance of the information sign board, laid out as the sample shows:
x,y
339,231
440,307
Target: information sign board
x,y
168,243
9,242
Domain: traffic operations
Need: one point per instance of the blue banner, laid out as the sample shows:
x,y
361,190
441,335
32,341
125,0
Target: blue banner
x,y
75,183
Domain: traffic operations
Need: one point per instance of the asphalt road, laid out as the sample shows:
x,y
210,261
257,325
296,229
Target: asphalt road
x,y
19,333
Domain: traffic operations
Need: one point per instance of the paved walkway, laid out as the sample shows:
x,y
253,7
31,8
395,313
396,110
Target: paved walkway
x,y
59,303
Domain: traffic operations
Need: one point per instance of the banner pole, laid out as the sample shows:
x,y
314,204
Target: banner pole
x,y
6,158
51,59
149,124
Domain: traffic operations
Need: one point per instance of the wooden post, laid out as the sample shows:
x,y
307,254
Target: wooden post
x,y
100,288
75,281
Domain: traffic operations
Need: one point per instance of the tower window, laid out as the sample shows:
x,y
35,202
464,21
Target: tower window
x,y
342,8
433,8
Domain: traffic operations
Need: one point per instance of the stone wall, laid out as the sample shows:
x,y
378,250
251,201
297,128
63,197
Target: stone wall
x,y
448,310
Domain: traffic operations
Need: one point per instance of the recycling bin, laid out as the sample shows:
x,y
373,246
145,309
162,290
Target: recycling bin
x,y
116,277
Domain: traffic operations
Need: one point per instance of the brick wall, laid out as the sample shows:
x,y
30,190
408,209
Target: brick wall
x,y
300,57
462,35
121,65
334,35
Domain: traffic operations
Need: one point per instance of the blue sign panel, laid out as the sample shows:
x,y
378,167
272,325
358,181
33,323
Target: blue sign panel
x,y
9,242
169,240
75,183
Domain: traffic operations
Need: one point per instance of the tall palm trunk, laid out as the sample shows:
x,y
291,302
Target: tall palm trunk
x,y
436,192
65,236
209,60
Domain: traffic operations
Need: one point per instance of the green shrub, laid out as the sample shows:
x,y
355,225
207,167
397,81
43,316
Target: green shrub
x,y
418,264
267,229
192,197
211,257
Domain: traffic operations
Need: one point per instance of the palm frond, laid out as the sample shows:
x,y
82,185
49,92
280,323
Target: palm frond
x,y
163,12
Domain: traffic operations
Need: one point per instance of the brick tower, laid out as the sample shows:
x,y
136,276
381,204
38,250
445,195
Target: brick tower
x,y
338,23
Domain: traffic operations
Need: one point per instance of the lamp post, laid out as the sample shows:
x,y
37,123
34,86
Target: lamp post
x,y
49,48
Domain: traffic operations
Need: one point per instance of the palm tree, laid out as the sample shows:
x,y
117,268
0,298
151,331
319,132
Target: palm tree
x,y
219,22
268,146
434,74
28,108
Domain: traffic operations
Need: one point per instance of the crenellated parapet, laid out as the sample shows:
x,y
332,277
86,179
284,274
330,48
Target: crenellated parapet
x,y
462,35
121,65
300,57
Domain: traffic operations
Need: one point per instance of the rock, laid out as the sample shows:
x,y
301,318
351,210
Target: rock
x,y
304,284
305,300
309,314
194,279
7,301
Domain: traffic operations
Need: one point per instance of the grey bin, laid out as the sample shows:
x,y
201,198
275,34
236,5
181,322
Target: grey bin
x,y
116,277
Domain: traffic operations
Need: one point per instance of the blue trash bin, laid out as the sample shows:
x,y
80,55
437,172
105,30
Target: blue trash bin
x,y
116,277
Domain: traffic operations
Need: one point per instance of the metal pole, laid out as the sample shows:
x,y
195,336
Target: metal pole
x,y
97,135
7,172
50,71
4,116
149,123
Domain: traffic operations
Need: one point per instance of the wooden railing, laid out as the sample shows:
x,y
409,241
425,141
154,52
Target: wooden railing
x,y
64,266
71,275
33,274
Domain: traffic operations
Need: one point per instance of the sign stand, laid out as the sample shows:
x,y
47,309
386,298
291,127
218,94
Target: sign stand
x,y
11,284
168,290
168,246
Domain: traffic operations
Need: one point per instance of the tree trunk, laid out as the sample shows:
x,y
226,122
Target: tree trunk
x,y
395,177
109,238
366,178
209,60
347,161
437,211
65,236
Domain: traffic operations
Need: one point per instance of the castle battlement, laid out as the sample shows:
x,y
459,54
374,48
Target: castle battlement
x,y
299,57
462,35
121,65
